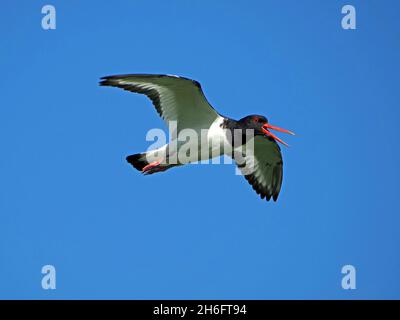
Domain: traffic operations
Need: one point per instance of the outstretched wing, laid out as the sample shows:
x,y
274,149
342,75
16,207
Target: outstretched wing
x,y
264,169
175,98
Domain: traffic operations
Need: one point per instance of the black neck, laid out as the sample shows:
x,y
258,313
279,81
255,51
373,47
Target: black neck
x,y
238,137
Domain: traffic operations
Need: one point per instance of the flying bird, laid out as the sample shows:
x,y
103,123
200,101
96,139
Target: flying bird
x,y
182,100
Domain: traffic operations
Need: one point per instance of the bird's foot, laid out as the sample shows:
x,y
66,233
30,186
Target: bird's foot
x,y
154,167
150,166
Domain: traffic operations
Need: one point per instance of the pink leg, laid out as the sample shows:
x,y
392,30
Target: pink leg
x,y
151,165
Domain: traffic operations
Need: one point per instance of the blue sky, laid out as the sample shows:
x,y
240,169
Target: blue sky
x,y
69,199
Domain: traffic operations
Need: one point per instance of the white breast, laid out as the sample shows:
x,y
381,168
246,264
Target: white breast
x,y
209,143
216,138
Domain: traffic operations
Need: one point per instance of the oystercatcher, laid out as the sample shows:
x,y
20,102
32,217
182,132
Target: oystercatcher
x,y
182,100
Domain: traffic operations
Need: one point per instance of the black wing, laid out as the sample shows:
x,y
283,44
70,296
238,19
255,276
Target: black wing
x,y
264,169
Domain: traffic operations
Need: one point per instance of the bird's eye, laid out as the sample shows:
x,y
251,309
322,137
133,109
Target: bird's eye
x,y
256,119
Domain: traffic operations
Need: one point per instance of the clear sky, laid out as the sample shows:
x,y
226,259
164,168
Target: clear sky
x,y
69,199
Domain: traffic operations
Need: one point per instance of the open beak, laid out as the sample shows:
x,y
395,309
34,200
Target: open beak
x,y
267,126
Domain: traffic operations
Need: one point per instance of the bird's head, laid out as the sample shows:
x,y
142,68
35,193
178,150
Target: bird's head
x,y
261,126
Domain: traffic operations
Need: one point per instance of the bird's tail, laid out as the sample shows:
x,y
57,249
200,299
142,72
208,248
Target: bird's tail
x,y
138,161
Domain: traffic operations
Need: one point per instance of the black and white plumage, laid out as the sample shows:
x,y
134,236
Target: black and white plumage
x,y
266,178
182,100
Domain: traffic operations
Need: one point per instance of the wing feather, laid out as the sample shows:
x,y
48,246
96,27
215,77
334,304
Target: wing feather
x,y
266,174
175,98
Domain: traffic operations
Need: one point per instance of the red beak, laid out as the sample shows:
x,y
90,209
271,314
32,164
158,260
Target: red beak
x,y
267,126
